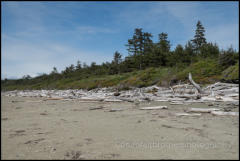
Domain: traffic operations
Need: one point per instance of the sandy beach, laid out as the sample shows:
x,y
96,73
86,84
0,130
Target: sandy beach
x,y
68,129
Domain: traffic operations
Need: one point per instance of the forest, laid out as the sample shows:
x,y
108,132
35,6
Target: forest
x,y
147,63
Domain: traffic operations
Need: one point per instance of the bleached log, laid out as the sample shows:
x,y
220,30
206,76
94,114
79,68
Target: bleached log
x,y
187,114
225,99
153,108
208,99
203,110
221,113
112,100
195,84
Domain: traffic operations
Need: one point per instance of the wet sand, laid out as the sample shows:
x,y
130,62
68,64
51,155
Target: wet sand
x,y
67,129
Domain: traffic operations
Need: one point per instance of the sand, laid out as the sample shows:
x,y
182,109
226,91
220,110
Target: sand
x,y
67,129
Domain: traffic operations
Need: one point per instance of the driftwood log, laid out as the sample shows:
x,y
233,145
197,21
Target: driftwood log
x,y
200,91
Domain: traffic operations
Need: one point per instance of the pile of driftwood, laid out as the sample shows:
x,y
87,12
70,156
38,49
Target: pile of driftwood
x,y
181,94
178,94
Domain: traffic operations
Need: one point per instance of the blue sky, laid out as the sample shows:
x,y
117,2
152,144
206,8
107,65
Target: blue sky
x,y
36,36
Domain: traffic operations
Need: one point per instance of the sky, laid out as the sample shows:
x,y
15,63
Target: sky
x,y
37,36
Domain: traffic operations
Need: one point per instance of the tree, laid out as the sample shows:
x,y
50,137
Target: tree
x,y
54,70
85,66
209,50
79,65
71,68
147,42
228,58
117,58
189,50
161,50
26,77
199,38
138,45
164,44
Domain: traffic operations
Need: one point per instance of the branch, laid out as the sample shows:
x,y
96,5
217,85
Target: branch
x,y
194,84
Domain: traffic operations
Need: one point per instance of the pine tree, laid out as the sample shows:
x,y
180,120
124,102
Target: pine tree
x,y
117,58
199,39
147,42
136,46
54,70
79,65
164,44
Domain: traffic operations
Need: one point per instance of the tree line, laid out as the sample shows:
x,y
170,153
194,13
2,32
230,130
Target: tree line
x,y
144,53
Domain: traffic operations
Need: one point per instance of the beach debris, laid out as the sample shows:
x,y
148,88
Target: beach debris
x,y
203,110
188,114
178,94
200,91
153,108
221,113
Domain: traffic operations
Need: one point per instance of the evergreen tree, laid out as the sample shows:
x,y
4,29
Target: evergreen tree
x,y
209,50
135,45
147,42
54,70
164,44
189,50
85,66
79,65
71,68
117,58
199,38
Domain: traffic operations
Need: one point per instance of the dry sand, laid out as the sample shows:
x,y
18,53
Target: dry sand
x,y
61,129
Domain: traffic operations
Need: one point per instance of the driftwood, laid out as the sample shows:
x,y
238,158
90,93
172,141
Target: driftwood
x,y
187,114
153,108
195,84
221,113
203,110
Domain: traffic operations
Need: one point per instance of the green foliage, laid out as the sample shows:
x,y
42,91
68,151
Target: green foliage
x,y
231,72
228,58
204,71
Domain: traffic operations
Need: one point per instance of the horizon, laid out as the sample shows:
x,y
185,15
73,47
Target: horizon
x,y
37,36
